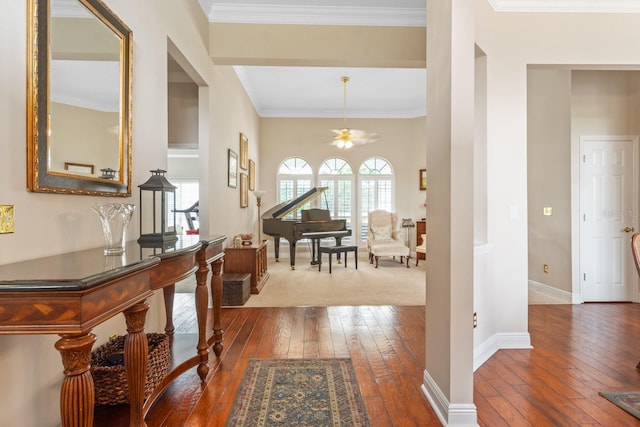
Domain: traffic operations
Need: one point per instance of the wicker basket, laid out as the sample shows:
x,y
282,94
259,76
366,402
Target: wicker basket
x,y
110,382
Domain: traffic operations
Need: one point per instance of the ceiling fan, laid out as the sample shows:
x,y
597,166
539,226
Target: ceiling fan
x,y
346,138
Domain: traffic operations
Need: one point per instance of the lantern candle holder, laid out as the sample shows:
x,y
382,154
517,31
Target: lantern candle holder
x,y
157,216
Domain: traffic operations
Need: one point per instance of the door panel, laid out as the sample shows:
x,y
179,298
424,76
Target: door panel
x,y
608,206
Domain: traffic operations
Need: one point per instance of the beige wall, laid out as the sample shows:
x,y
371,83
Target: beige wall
x,y
512,42
401,143
183,115
233,114
564,105
83,135
549,172
323,45
448,378
48,224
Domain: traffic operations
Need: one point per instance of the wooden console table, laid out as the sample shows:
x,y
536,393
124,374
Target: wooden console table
x,y
421,228
249,259
70,294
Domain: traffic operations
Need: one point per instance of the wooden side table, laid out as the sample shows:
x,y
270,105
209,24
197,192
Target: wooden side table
x,y
421,228
248,259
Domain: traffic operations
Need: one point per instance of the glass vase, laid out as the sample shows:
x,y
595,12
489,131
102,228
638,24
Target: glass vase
x,y
114,218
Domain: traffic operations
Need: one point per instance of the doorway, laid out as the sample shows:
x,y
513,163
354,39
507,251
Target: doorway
x,y
608,216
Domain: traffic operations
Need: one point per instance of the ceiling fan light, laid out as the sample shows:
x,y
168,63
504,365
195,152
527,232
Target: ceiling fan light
x,y
345,137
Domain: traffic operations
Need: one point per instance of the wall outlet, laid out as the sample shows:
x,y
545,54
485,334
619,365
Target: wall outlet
x,y
546,268
6,219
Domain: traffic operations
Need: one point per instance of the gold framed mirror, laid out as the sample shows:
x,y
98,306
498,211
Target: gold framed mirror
x,y
79,68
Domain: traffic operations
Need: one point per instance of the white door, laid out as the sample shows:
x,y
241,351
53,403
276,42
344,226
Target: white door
x,y
608,215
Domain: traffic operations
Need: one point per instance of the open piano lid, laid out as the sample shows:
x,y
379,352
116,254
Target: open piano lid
x,y
283,209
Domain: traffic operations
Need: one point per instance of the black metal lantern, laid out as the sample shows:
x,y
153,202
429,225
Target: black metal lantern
x,y
157,217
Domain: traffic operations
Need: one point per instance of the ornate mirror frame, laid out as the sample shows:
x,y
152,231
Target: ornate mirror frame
x,y
39,177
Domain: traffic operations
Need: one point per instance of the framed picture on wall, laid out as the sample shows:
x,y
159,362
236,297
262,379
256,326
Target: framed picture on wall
x,y
79,168
423,179
244,151
233,168
244,190
252,175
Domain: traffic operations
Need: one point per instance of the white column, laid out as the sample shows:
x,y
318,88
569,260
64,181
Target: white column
x,y
448,376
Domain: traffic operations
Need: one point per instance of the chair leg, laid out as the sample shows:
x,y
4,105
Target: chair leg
x,y
329,262
377,261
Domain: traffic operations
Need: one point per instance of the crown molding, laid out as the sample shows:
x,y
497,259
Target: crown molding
x,y
570,6
314,15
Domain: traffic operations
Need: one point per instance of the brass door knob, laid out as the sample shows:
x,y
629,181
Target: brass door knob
x,y
627,229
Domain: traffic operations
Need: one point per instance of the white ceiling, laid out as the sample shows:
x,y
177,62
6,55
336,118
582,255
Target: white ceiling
x,y
319,92
371,93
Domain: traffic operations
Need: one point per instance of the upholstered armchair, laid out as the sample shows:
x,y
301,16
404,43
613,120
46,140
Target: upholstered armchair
x,y
384,238
422,247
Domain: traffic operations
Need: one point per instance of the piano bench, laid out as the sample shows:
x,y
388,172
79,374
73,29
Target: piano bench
x,y
236,288
336,250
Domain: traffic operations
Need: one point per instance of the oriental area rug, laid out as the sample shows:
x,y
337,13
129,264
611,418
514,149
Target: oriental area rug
x,y
629,400
299,392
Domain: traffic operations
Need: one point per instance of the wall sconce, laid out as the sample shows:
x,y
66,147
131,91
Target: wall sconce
x,y
157,220
259,194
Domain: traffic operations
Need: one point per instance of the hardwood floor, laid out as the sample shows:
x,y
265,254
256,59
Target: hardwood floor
x,y
579,350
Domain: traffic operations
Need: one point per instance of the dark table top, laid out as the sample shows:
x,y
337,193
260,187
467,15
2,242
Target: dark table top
x,y
89,267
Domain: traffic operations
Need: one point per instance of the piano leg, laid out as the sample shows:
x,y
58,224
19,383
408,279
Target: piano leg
x,y
276,247
315,243
292,253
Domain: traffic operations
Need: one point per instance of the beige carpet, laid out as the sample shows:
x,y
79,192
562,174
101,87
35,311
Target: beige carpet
x,y
390,284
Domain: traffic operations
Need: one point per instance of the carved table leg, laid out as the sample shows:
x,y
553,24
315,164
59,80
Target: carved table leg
x,y
202,303
136,354
216,296
77,395
169,292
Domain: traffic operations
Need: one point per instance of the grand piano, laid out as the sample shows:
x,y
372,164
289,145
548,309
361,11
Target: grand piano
x,y
315,224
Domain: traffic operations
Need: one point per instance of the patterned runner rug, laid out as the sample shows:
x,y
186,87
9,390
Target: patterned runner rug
x,y
629,400
299,392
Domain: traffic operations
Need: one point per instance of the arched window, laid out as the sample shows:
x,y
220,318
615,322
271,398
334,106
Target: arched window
x,y
295,177
337,175
376,190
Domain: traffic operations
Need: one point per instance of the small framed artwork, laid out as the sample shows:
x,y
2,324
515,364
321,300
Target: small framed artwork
x,y
232,180
244,151
244,190
252,175
423,179
79,168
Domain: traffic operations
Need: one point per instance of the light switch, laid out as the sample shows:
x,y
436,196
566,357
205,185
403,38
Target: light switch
x,y
548,211
513,212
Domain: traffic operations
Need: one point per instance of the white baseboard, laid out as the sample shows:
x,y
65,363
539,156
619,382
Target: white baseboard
x,y
500,341
450,415
551,292
465,415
